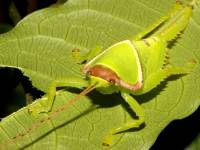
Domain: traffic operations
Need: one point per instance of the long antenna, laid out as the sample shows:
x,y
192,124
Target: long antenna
x,y
44,120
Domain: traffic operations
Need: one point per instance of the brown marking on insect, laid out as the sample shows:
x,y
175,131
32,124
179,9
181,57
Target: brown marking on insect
x,y
76,50
57,110
146,43
104,73
29,130
192,4
193,61
22,134
179,2
48,118
154,39
61,109
43,120
138,85
110,76
14,137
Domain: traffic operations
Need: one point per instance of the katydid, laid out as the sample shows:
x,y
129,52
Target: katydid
x,y
130,67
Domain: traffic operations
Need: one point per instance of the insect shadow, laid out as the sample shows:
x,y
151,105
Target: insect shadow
x,y
98,100
110,100
157,90
146,98
90,109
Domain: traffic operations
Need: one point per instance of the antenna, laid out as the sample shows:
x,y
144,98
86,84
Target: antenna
x,y
44,120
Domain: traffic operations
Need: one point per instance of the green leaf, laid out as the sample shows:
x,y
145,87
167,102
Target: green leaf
x,y
40,46
195,145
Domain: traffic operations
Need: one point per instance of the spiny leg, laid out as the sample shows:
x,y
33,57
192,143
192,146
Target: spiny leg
x,y
135,106
157,23
176,24
67,82
155,79
150,83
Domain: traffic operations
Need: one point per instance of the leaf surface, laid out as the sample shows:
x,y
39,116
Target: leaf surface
x,y
41,44
195,145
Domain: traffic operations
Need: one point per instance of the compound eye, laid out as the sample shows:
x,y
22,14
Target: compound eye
x,y
88,73
112,81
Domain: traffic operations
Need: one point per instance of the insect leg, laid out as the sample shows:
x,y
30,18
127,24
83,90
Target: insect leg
x,y
67,82
176,24
142,34
134,105
94,52
155,79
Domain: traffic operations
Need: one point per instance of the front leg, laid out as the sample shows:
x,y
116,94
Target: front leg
x,y
67,82
136,107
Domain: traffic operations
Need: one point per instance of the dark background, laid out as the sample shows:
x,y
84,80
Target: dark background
x,y
14,87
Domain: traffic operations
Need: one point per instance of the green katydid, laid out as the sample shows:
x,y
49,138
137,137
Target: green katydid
x,y
130,67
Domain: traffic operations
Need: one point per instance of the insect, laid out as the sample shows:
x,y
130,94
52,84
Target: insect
x,y
130,67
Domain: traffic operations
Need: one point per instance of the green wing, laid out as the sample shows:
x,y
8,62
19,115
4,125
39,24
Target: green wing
x,y
120,58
